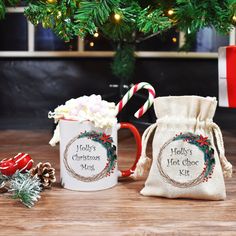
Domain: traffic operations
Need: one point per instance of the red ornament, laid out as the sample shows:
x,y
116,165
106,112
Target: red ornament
x,y
8,167
23,161
203,140
106,138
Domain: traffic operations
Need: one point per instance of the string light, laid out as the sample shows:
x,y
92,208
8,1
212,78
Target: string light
x,y
59,15
234,18
91,44
52,1
170,12
174,39
96,35
117,17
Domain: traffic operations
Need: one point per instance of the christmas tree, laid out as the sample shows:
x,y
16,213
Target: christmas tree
x,y
128,22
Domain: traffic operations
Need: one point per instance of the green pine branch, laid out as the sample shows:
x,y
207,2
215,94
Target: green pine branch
x,y
25,188
124,61
58,16
2,9
3,6
139,20
194,15
124,29
153,21
22,186
92,14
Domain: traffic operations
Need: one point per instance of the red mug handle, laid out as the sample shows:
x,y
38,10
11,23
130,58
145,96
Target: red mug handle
x,y
137,137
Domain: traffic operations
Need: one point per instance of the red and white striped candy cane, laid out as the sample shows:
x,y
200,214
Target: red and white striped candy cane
x,y
131,92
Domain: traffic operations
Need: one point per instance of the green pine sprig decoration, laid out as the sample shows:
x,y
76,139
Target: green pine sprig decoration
x,y
23,186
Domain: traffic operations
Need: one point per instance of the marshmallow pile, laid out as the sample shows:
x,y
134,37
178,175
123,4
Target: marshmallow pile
x,y
87,108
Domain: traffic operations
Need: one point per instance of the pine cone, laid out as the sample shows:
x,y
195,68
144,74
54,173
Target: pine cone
x,y
3,188
45,173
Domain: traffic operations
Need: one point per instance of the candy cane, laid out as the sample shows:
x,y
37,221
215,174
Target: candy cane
x,y
131,92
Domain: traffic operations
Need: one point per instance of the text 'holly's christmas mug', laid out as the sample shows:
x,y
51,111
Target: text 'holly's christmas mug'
x,y
87,132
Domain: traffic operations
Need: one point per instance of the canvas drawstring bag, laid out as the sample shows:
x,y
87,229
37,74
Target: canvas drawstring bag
x,y
188,150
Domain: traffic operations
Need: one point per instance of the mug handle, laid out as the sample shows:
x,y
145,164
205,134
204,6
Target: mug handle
x,y
137,137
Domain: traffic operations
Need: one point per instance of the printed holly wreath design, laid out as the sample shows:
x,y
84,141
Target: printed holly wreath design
x,y
107,142
203,143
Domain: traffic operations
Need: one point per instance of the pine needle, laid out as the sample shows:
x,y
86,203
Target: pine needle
x,y
25,188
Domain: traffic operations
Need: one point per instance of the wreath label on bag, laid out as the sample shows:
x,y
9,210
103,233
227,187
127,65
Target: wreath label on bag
x,y
90,156
186,160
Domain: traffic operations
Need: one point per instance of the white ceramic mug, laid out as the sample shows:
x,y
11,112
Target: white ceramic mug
x,y
88,155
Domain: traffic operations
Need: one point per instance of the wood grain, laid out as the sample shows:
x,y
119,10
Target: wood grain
x,y
117,211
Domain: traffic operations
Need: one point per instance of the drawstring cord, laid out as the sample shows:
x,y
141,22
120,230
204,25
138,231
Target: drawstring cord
x,y
144,162
226,166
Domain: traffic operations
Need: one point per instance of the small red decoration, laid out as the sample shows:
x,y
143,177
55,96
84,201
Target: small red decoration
x,y
106,138
203,141
21,162
24,161
8,167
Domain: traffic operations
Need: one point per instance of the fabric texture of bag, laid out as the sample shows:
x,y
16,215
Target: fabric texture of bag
x,y
188,151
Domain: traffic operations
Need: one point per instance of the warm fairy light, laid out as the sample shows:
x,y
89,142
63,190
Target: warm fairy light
x,y
234,18
117,17
91,44
174,39
51,1
96,34
170,12
59,14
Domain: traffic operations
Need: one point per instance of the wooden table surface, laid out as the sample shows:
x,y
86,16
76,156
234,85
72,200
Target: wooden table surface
x,y
117,211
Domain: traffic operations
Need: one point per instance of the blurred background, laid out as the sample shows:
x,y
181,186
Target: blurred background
x,y
39,71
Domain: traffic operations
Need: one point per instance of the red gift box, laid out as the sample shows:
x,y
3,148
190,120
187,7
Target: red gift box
x,y
227,76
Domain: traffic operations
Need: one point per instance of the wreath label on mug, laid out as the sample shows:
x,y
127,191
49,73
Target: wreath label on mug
x,y
90,156
186,160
